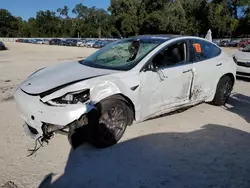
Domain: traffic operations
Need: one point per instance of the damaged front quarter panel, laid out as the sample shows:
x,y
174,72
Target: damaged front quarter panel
x,y
60,113
99,90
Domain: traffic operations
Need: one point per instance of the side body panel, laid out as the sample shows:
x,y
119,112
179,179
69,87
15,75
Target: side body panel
x,y
125,83
150,89
207,73
170,85
228,67
128,83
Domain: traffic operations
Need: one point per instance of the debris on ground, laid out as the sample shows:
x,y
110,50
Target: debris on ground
x,y
9,184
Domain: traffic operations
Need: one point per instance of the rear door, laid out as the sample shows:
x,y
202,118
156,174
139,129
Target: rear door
x,y
207,66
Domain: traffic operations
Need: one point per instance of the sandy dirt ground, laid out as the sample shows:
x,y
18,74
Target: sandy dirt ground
x,y
203,147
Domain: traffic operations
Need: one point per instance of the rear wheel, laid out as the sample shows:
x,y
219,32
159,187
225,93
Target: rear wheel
x,y
115,116
223,91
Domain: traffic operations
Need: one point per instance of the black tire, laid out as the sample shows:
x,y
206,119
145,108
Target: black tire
x,y
93,132
223,91
114,117
78,133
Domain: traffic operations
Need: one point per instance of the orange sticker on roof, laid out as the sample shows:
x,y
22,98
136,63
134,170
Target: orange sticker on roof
x,y
197,47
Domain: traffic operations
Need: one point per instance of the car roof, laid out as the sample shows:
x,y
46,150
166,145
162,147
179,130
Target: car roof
x,y
158,36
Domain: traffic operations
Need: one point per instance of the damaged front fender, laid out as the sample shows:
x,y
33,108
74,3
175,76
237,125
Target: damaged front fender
x,y
103,90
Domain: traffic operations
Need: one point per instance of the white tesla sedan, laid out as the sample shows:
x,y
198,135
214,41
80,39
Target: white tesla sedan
x,y
242,58
127,81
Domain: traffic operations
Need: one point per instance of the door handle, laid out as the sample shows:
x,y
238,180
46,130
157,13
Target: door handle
x,y
219,64
187,71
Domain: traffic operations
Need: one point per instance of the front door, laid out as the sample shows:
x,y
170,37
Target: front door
x,y
151,99
174,66
169,84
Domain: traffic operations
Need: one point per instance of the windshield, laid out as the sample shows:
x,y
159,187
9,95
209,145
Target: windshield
x,y
123,54
246,49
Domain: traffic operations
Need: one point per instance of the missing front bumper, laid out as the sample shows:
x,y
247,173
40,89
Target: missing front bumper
x,y
47,130
28,130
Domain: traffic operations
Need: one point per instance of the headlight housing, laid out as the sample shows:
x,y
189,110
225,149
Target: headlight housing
x,y
74,97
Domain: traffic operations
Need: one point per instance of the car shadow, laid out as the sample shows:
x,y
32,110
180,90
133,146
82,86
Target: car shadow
x,y
214,156
240,105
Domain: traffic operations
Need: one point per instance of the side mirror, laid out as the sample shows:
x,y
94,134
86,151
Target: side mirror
x,y
154,67
148,67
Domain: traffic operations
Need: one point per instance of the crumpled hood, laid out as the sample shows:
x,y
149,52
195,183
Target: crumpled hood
x,y
56,76
243,56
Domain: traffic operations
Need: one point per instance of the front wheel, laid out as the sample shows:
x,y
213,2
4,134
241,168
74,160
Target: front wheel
x,y
115,116
223,91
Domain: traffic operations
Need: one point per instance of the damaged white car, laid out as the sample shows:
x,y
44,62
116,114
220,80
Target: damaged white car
x,y
127,81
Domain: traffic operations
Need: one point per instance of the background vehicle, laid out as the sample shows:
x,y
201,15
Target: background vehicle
x,y
20,40
33,41
80,42
46,41
233,43
98,44
243,43
38,41
68,42
83,44
127,81
217,42
2,46
55,42
64,43
90,44
27,41
73,42
101,43
242,58
41,41
223,43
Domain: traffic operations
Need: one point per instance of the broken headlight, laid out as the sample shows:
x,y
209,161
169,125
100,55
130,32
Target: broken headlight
x,y
74,97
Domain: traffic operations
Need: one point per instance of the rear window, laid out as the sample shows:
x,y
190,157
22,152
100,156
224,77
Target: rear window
x,y
203,50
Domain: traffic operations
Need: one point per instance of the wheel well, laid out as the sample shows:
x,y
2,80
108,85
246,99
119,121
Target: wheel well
x,y
125,99
231,76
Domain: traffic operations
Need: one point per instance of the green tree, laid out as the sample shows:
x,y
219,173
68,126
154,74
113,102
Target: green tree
x,y
64,11
47,23
125,16
80,11
219,19
9,25
131,17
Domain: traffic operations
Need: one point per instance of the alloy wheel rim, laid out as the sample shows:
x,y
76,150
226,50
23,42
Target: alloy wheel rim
x,y
112,124
226,91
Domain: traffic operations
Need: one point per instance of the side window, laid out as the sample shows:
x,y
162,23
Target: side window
x,y
171,55
204,50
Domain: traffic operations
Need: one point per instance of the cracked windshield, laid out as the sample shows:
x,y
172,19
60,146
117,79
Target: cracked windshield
x,y
122,55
